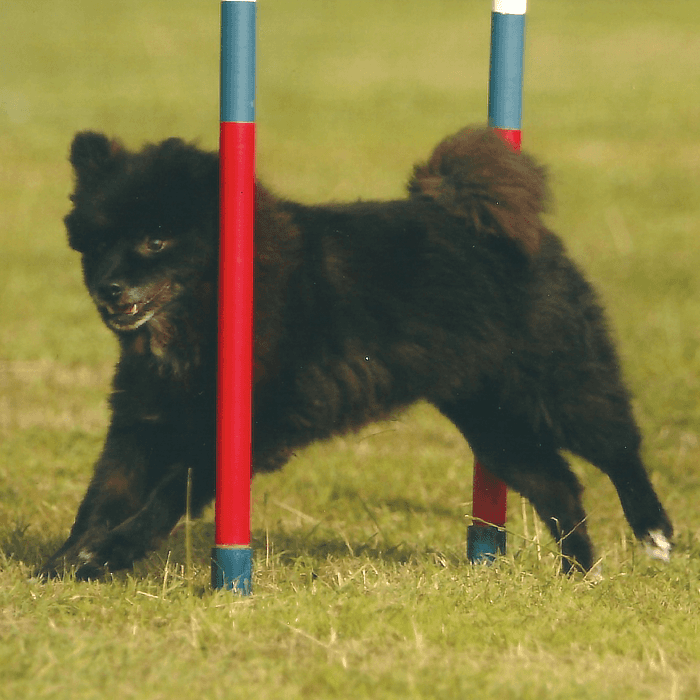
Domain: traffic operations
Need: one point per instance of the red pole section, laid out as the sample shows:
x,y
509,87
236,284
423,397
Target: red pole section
x,y
486,536
232,554
234,407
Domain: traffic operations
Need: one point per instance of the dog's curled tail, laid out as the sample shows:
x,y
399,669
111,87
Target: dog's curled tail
x,y
476,176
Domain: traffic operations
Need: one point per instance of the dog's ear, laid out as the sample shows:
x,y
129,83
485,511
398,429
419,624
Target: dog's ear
x,y
92,153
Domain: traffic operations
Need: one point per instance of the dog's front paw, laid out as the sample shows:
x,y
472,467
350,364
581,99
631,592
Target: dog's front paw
x,y
113,552
92,557
83,564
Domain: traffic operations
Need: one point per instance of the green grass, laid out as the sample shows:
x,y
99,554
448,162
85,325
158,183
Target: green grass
x,y
361,584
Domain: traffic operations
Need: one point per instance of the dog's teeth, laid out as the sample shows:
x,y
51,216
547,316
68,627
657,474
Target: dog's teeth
x,y
132,310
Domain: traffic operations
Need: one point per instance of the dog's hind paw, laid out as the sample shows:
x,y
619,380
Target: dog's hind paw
x,y
657,546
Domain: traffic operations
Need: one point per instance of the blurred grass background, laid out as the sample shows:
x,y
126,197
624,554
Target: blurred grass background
x,y
362,589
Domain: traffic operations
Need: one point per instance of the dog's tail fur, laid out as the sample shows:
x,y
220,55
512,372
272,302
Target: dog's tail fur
x,y
476,176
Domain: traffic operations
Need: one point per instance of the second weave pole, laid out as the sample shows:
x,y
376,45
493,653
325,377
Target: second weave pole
x,y
486,537
232,554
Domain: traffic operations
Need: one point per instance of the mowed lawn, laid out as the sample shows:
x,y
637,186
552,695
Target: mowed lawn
x,y
362,588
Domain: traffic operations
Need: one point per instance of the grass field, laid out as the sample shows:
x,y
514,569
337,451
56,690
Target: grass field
x,y
362,589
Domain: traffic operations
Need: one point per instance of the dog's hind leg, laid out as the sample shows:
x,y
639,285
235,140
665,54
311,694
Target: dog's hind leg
x,y
528,462
607,437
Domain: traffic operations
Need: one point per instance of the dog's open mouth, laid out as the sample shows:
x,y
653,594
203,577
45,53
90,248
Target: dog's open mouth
x,y
128,317
133,315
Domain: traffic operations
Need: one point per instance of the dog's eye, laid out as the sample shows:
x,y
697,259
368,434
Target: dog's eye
x,y
152,246
155,245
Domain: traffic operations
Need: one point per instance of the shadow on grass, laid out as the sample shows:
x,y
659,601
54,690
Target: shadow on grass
x,y
290,548
370,534
316,541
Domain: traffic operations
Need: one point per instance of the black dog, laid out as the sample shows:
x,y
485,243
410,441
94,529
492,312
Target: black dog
x,y
458,295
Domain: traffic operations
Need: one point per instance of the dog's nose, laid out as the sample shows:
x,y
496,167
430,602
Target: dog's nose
x,y
111,291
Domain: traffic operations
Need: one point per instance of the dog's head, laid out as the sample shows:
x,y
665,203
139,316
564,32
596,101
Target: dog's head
x,y
145,223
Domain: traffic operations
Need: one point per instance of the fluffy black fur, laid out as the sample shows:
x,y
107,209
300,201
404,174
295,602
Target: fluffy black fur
x,y
457,294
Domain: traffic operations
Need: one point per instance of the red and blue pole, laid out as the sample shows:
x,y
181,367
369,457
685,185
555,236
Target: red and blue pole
x,y
486,537
232,554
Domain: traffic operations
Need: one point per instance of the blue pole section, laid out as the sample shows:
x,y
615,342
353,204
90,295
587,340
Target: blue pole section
x,y
232,555
238,20
506,69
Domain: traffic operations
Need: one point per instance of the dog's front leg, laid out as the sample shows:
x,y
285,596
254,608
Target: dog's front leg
x,y
139,534
136,463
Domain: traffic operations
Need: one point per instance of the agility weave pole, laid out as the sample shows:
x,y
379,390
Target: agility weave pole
x,y
486,537
232,553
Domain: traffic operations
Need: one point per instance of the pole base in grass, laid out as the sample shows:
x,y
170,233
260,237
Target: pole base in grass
x,y
232,568
484,543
